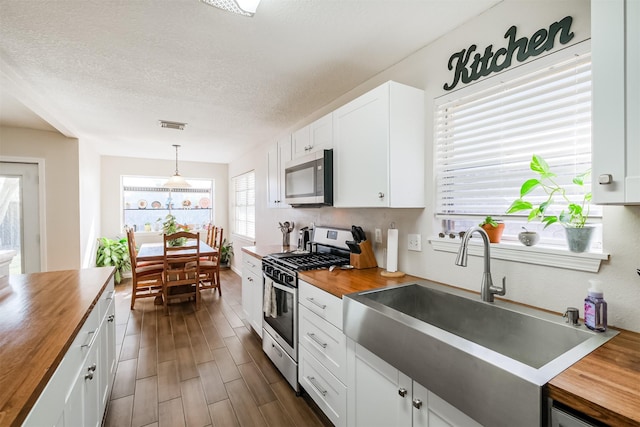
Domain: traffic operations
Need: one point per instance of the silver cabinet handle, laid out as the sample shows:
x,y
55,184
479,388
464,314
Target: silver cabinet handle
x,y
381,195
88,376
111,318
92,368
313,337
315,385
314,302
276,349
250,279
111,295
417,403
605,179
402,391
92,340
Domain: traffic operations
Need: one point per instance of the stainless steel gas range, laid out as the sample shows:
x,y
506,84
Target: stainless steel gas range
x,y
280,308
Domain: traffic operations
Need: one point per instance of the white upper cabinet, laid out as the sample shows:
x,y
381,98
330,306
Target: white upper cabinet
x,y
615,46
278,155
379,149
314,137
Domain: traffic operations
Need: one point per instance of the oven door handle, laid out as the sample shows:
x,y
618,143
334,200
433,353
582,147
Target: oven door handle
x,y
284,287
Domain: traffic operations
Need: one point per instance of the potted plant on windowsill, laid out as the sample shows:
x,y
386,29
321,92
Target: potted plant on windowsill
x,y
493,228
573,216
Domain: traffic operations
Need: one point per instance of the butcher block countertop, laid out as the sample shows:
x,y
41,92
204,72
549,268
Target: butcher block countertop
x,y
604,385
40,315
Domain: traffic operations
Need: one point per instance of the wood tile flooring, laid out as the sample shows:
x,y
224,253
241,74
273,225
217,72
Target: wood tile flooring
x,y
197,368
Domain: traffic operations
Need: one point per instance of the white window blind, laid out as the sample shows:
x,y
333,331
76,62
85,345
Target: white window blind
x,y
485,139
245,204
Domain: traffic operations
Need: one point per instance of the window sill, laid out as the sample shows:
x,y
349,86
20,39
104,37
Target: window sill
x,y
539,255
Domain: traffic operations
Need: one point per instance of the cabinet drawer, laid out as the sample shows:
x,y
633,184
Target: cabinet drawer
x,y
321,303
326,342
251,264
325,389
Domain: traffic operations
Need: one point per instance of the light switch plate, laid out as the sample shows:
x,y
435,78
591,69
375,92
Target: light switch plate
x,y
378,238
414,242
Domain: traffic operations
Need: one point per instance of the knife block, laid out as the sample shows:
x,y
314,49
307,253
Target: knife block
x,y
365,259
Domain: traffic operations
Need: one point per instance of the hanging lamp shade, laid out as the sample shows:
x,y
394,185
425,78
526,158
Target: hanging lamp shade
x,y
176,180
241,7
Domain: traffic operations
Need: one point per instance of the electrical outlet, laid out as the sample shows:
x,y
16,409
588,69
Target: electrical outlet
x,y
378,238
414,242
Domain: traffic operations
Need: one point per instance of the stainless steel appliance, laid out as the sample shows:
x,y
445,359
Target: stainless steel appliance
x,y
309,180
280,310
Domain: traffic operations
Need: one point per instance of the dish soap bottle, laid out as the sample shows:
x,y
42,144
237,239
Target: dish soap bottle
x,y
595,308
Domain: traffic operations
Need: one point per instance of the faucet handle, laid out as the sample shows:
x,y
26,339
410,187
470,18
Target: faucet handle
x,y
500,291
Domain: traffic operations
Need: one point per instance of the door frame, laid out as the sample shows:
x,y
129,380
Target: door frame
x,y
41,199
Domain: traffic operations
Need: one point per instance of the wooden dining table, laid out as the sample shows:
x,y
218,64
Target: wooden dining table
x,y
155,251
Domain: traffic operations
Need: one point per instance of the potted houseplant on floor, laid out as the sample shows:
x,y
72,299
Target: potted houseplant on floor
x,y
226,253
113,253
493,228
574,214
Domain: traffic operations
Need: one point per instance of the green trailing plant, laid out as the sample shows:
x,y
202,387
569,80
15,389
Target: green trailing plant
x,y
113,253
226,251
572,215
170,226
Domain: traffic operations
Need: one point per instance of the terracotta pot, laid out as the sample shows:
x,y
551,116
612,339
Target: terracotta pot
x,y
494,233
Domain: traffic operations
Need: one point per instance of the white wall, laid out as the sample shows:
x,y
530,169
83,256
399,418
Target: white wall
x,y
112,168
62,209
89,171
545,287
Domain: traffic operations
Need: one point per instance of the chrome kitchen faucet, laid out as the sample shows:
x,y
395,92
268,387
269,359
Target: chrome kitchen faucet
x,y
487,290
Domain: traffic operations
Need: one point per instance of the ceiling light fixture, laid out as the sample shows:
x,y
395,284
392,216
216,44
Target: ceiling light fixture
x,y
171,125
177,181
241,7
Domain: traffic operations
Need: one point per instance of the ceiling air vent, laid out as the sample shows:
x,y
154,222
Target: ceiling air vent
x,y
172,125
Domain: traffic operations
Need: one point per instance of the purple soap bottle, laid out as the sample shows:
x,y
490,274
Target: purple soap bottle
x,y
595,308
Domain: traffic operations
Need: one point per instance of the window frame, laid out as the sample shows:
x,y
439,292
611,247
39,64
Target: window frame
x,y
251,204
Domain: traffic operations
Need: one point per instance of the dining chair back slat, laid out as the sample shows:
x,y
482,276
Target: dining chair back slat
x,y
181,274
210,269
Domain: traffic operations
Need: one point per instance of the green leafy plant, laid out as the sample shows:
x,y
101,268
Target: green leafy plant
x,y
573,215
226,251
113,253
489,221
170,226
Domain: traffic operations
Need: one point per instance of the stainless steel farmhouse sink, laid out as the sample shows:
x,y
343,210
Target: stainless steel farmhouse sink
x,y
490,360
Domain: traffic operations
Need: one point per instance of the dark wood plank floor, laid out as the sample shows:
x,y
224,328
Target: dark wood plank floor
x,y
197,368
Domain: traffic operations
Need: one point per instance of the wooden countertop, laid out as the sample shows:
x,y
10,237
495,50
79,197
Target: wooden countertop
x,y
604,385
40,315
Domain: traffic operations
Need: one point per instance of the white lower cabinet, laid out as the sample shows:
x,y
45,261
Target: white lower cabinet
x,y
381,395
322,351
78,391
252,291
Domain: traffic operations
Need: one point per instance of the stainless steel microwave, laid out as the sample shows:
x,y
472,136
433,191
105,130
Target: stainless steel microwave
x,y
309,180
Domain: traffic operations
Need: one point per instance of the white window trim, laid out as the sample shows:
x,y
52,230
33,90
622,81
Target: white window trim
x,y
234,231
537,255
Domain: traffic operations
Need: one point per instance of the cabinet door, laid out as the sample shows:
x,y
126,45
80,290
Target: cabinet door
x,y
107,359
277,156
361,131
256,304
616,131
321,133
381,393
82,403
301,142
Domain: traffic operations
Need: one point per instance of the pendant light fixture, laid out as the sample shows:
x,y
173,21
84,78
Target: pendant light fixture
x,y
177,181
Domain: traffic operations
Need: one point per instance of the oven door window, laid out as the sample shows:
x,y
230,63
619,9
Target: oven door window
x,y
280,316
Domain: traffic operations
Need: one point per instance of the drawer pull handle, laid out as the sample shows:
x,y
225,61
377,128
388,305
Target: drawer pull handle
x,y
92,340
92,368
88,376
314,383
110,295
417,403
314,302
402,392
111,318
276,349
313,337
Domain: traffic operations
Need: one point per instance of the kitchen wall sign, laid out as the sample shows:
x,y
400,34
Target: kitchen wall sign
x,y
489,62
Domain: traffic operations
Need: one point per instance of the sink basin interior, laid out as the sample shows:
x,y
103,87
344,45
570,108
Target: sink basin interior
x,y
528,339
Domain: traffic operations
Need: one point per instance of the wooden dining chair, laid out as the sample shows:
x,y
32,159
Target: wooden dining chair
x,y
147,277
181,274
210,269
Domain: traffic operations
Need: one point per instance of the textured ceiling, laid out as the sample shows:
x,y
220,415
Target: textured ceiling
x,y
107,71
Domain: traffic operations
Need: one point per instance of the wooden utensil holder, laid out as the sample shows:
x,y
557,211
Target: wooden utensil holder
x,y
365,259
